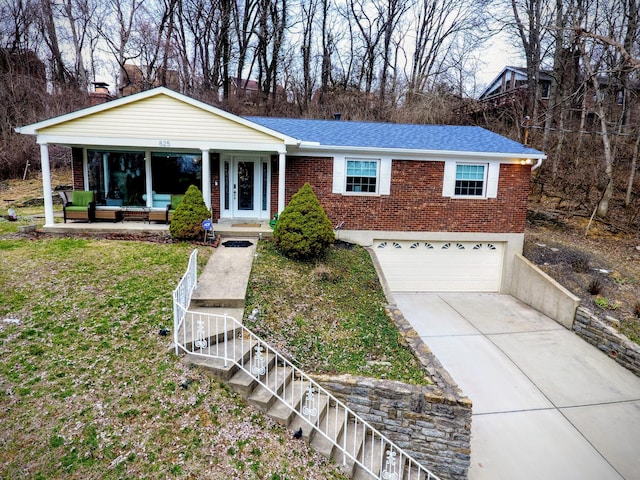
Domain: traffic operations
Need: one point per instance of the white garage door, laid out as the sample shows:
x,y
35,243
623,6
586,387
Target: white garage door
x,y
419,266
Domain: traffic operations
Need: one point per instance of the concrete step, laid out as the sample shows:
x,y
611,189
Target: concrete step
x,y
216,327
331,425
321,401
276,379
370,454
243,382
239,349
350,439
293,394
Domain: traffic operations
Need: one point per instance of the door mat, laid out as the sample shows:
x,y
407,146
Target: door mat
x,y
237,243
251,225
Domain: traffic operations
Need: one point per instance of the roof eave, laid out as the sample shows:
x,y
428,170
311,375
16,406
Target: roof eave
x,y
534,154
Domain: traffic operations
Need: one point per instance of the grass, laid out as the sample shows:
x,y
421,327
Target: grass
x,y
328,316
88,389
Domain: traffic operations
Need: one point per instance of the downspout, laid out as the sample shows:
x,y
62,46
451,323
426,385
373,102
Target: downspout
x,y
537,165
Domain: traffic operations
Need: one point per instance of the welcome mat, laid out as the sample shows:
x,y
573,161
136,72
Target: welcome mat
x,y
237,243
246,225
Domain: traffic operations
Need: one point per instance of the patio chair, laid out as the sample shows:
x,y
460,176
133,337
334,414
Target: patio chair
x,y
175,201
81,207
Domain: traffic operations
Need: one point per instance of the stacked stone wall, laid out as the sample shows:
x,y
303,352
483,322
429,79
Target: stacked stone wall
x,y
432,423
606,338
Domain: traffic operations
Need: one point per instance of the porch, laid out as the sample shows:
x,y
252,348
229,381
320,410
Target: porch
x,y
225,228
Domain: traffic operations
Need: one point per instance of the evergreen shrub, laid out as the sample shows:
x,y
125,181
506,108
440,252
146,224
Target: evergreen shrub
x,y
189,215
303,231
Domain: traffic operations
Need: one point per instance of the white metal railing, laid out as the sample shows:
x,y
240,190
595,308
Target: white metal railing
x,y
182,294
225,338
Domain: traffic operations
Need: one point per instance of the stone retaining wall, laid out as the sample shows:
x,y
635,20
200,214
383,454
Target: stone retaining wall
x,y
431,423
607,339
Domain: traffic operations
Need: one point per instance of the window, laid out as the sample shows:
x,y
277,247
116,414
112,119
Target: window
x,y
470,180
362,176
175,172
118,178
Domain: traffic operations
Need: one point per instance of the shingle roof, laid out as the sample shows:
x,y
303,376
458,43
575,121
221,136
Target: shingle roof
x,y
395,136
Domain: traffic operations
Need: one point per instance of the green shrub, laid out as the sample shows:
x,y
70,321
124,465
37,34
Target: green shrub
x,y
303,230
189,215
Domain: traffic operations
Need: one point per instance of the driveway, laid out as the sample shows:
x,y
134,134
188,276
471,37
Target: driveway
x,y
546,405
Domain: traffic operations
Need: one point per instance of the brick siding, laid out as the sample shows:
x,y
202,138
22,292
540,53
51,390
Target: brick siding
x,y
416,202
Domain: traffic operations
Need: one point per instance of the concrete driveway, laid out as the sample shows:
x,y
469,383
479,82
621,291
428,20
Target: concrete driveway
x,y
546,404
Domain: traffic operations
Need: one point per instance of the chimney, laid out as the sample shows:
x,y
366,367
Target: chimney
x,y
100,93
337,116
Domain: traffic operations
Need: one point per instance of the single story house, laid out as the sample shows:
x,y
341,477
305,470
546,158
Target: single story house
x,y
443,207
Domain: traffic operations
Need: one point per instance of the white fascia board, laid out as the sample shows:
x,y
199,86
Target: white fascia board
x,y
35,127
156,144
434,155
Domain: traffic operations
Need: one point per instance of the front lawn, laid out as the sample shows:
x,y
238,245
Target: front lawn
x,y
87,388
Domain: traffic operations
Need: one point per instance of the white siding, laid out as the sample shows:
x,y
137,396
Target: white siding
x,y
159,117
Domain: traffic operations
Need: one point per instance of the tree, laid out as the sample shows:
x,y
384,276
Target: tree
x,y
303,231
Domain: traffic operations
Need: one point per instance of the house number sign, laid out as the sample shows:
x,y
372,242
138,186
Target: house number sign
x,y
164,143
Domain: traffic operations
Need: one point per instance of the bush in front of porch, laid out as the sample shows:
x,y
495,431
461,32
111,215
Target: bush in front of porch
x,y
189,215
303,231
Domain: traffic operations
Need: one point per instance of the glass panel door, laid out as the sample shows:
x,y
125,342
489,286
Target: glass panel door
x,y
246,185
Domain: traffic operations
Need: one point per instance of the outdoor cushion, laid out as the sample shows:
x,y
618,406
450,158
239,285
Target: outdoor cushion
x,y
81,206
81,198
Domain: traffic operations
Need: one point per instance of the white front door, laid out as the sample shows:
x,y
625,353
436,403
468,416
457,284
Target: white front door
x,y
245,188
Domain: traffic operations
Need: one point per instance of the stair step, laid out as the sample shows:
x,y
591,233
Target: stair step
x,y
370,455
293,394
321,400
243,382
238,350
331,425
215,329
349,441
276,378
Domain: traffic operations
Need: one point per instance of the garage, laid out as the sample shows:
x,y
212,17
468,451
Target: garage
x,y
440,266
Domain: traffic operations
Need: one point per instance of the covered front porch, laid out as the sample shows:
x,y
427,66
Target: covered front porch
x,y
138,153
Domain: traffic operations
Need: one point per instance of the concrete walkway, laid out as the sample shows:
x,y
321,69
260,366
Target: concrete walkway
x,y
546,404
222,284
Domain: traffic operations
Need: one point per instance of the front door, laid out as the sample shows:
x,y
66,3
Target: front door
x,y
245,186
245,190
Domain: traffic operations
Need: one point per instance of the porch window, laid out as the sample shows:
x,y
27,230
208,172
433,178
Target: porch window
x,y
117,178
175,172
362,176
470,180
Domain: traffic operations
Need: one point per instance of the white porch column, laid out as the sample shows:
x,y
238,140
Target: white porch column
x,y
206,178
282,167
148,178
46,185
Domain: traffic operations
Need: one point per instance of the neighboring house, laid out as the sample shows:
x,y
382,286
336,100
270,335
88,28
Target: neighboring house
x,y
510,86
444,207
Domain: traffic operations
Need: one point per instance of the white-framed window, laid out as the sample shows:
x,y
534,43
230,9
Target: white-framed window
x,y
362,175
470,180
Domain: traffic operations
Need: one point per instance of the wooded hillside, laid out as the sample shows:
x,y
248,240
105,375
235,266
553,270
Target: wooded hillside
x,y
411,61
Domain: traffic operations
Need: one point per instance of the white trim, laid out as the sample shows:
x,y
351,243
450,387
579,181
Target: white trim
x,y
154,144
383,175
46,185
206,177
491,178
282,168
413,154
149,178
35,127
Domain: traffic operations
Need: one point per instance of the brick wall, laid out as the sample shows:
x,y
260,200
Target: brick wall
x,y
76,168
416,202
